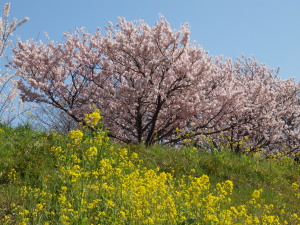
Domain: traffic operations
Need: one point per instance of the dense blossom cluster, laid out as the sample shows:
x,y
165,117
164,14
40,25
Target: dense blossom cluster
x,y
150,82
97,183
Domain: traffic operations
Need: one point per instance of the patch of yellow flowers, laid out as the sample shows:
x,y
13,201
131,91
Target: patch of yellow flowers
x,y
93,118
97,183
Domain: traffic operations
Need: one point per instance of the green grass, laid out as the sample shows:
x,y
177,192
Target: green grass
x,y
246,172
27,152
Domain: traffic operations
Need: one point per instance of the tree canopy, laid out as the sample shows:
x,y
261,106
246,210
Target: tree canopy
x,y
153,85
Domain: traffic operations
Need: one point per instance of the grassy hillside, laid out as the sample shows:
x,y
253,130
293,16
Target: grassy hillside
x,y
84,178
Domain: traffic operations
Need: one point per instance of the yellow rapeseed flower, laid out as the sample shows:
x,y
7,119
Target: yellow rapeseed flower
x,y
295,186
122,214
256,193
64,188
123,151
92,151
39,207
76,135
93,118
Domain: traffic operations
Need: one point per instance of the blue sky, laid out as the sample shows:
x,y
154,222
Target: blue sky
x,y
270,30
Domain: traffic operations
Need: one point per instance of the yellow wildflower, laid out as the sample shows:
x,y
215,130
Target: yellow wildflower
x,y
257,193
122,214
92,151
93,118
76,135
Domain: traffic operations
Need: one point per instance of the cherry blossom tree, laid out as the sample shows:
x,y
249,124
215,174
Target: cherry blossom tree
x,y
271,110
152,82
10,108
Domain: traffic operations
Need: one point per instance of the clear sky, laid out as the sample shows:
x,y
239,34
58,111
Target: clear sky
x,y
268,29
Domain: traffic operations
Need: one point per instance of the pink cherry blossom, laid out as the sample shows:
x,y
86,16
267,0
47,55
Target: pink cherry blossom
x,y
150,82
